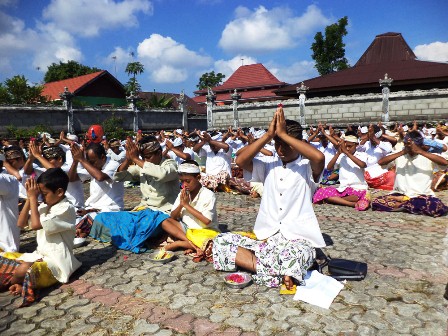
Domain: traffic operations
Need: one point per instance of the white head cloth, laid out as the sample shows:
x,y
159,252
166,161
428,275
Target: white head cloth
x,y
259,134
72,137
405,128
364,129
178,131
217,137
177,142
188,168
350,138
378,134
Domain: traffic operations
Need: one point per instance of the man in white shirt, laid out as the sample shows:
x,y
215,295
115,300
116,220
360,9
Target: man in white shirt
x,y
177,151
9,197
286,226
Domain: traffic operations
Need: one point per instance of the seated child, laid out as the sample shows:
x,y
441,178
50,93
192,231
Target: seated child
x,y
53,261
194,212
353,187
414,172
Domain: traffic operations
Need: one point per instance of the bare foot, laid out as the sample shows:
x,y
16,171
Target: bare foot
x,y
15,289
288,281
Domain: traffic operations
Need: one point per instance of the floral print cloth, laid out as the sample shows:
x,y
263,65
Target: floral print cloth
x,y
274,257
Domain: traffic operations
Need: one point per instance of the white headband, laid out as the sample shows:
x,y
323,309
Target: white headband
x,y
188,168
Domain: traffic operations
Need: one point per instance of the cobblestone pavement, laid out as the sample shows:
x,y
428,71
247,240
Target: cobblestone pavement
x,y
120,293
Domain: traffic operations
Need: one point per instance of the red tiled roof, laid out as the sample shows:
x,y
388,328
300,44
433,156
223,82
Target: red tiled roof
x,y
247,76
53,89
388,53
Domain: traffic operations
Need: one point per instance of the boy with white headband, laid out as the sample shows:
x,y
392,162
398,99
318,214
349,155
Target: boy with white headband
x,y
353,187
194,211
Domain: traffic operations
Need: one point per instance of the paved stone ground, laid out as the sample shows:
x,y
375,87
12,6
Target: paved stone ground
x,y
120,293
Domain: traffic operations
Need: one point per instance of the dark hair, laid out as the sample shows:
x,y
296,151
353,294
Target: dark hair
x,y
294,129
97,148
351,133
191,162
53,179
376,128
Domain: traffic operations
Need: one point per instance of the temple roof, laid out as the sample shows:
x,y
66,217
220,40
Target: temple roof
x,y
252,81
388,53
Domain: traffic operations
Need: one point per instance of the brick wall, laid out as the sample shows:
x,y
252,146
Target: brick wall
x,y
56,118
404,106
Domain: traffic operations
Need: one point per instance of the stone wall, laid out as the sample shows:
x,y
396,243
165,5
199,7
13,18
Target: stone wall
x,y
56,118
404,106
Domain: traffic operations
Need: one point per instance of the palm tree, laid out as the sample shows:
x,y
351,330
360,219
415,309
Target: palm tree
x,y
134,69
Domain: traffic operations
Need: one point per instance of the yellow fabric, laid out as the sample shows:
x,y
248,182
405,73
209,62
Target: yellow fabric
x,y
200,237
43,275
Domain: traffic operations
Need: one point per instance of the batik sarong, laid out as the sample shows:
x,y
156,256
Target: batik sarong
x,y
327,173
212,181
274,257
37,277
420,205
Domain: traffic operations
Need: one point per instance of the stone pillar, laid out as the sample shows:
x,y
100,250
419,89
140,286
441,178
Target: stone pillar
x,y
302,98
67,96
210,102
182,100
132,99
385,83
235,97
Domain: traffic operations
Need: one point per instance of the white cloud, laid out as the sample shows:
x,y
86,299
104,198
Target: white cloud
x,y
228,67
264,30
294,73
88,18
168,74
167,60
436,51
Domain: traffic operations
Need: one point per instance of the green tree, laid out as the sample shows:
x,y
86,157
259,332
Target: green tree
x,y
329,51
161,101
70,69
210,79
16,90
134,69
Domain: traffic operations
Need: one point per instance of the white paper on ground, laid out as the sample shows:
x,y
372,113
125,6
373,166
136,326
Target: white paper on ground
x,y
320,290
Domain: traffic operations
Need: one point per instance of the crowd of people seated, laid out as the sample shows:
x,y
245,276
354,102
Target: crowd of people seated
x,y
179,172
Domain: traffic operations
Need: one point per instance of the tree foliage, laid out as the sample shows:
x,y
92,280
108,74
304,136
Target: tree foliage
x,y
134,69
16,90
210,79
70,69
329,51
160,101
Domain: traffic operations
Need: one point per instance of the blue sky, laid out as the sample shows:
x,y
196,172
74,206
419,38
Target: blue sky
x,y
178,40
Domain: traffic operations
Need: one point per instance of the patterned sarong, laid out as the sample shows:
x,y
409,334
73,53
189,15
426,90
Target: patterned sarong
x,y
212,181
363,196
326,174
420,205
275,257
7,269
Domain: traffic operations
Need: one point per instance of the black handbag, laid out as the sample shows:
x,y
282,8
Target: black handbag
x,y
343,269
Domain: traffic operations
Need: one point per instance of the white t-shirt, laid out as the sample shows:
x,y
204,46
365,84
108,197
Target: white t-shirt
x,y
374,154
55,240
350,174
216,162
178,159
205,203
117,157
328,151
108,195
414,175
286,205
9,196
